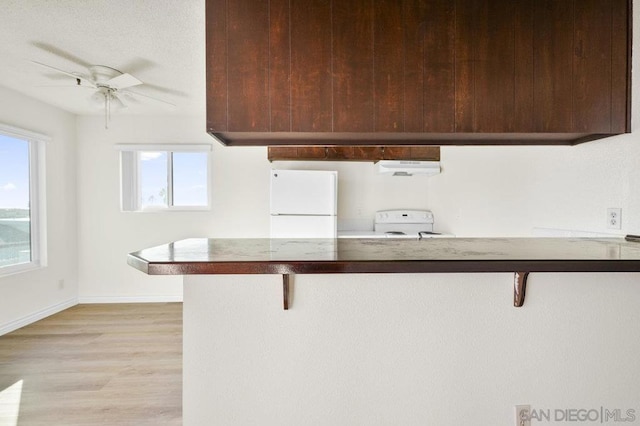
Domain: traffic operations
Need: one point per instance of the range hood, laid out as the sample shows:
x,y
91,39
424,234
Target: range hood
x,y
408,167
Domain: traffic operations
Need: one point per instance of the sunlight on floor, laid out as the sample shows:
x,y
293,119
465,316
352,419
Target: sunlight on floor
x,y
10,404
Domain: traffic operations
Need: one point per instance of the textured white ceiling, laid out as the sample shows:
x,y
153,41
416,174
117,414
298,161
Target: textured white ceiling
x,y
161,42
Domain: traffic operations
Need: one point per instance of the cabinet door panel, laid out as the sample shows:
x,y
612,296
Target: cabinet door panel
x,y
279,66
216,38
312,152
388,66
311,85
592,67
275,153
367,153
439,68
553,65
494,60
523,67
413,90
466,12
621,58
354,153
353,66
397,153
248,62
427,153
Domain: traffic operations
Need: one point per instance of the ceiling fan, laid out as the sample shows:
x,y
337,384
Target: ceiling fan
x,y
110,85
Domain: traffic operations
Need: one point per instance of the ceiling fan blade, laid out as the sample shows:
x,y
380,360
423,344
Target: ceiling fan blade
x,y
83,80
118,102
129,92
123,81
60,53
137,65
166,90
64,85
56,69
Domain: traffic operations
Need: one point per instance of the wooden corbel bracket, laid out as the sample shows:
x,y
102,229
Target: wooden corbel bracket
x,y
519,288
285,291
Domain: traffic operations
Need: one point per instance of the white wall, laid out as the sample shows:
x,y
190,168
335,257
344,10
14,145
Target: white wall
x,y
31,295
509,191
411,349
105,233
240,202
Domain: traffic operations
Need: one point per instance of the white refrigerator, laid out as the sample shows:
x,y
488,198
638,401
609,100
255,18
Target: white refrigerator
x,y
304,203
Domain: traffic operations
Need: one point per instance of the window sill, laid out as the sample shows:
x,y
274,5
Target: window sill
x,y
169,210
6,271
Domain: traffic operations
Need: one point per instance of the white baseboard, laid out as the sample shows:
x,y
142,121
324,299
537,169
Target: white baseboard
x,y
37,316
130,299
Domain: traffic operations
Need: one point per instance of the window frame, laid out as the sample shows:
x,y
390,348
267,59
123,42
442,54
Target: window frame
x,y
130,176
37,199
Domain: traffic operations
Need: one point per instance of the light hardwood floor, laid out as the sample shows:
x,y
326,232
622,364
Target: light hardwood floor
x,y
115,364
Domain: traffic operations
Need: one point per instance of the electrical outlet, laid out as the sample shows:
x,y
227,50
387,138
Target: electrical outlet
x,y
61,284
523,413
614,218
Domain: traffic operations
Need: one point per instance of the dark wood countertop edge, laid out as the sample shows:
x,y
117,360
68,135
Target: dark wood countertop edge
x,y
376,267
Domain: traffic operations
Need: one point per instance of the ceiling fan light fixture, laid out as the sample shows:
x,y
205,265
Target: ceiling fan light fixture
x,y
110,86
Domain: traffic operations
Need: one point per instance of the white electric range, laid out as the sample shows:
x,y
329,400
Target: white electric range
x,y
412,224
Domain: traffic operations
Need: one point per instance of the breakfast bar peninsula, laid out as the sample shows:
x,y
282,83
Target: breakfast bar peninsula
x,y
384,331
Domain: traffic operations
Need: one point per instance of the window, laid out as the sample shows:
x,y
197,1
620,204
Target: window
x,y
164,177
22,238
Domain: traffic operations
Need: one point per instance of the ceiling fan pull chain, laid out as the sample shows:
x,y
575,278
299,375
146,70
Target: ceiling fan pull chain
x,y
106,110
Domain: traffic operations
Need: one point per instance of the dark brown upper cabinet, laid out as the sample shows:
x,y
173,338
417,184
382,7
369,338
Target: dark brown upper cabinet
x,y
353,153
417,72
